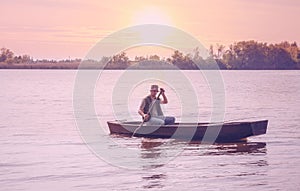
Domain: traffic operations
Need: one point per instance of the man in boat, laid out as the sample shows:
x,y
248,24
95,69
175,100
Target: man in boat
x,y
155,116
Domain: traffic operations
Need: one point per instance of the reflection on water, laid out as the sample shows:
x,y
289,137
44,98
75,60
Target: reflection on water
x,y
238,148
154,181
155,148
151,148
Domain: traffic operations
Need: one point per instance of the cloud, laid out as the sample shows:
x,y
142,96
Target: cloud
x,y
65,4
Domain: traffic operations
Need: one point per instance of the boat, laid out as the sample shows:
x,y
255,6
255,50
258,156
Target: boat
x,y
217,132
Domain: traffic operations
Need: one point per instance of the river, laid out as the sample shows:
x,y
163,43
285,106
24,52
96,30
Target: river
x,y
41,147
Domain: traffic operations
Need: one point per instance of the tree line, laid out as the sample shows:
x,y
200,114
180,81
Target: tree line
x,y
257,55
243,55
7,56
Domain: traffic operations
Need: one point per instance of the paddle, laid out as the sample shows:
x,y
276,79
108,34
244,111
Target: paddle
x,y
152,104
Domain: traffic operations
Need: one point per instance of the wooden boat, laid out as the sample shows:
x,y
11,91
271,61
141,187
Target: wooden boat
x,y
218,132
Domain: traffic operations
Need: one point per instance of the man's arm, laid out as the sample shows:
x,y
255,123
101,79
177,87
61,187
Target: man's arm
x,y
141,111
165,99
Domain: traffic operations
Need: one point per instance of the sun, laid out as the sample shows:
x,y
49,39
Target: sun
x,y
151,15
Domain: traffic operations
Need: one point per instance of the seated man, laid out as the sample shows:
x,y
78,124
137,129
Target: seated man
x,y
151,111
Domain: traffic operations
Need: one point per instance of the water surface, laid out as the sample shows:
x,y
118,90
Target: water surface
x,y
41,148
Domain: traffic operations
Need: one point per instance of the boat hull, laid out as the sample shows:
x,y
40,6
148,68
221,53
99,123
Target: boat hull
x,y
210,132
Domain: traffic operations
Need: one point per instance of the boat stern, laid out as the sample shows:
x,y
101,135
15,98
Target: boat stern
x,y
259,127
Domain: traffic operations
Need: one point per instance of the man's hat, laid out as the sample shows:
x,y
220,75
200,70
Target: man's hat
x,y
154,87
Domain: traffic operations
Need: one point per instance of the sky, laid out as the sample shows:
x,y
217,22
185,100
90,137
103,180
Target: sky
x,y
54,29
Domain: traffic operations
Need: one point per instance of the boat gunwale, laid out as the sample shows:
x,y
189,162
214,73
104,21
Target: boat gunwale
x,y
189,124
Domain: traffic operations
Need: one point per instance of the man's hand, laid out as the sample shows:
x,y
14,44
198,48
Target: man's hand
x,y
165,101
146,117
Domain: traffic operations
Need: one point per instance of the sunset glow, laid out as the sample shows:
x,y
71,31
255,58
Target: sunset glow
x,y
151,15
63,29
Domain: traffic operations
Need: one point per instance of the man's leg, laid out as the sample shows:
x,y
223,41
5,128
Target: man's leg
x,y
155,121
169,120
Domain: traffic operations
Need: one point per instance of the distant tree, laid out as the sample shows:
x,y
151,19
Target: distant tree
x,y
198,59
17,59
211,51
216,57
6,56
119,61
280,58
256,55
140,58
105,59
220,51
154,57
169,60
182,61
26,58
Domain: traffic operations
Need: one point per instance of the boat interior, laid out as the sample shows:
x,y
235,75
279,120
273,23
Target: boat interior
x,y
137,123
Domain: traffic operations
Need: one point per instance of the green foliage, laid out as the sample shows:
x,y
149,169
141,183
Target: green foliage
x,y
255,55
182,61
243,55
118,61
7,56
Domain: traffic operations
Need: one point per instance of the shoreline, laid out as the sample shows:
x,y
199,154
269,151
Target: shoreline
x,y
75,66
